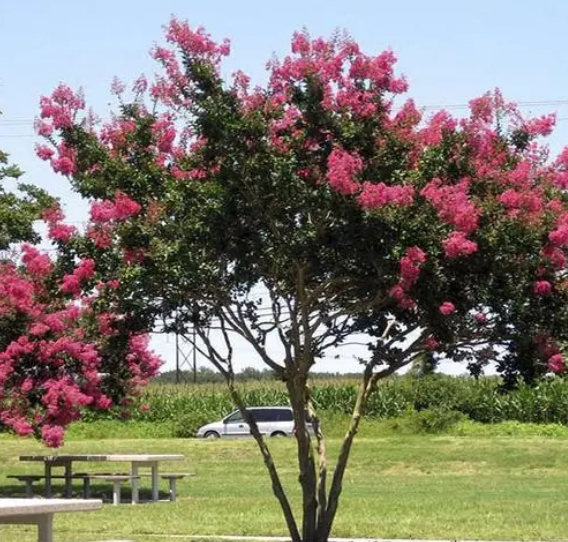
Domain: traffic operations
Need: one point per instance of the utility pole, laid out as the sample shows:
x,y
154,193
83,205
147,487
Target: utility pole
x,y
185,358
178,374
194,334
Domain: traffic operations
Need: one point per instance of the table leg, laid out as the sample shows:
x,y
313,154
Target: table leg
x,y
116,492
45,528
48,480
68,480
155,482
134,483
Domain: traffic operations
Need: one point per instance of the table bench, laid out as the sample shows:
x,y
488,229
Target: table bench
x,y
30,479
172,478
117,479
137,461
40,512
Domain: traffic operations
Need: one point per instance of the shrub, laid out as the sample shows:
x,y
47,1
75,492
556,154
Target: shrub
x,y
436,419
430,420
187,424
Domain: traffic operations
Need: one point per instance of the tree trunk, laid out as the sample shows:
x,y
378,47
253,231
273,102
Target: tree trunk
x,y
277,488
306,462
324,527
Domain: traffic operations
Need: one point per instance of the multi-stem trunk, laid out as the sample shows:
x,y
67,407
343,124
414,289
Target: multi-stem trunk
x,y
277,487
328,516
319,508
306,461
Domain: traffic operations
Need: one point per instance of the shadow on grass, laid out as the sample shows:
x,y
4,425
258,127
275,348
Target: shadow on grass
x,y
100,491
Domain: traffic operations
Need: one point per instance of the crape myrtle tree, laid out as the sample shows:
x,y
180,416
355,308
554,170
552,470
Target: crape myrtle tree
x,y
66,344
321,208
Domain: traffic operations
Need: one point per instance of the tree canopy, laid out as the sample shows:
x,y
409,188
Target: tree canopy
x,y
65,342
318,208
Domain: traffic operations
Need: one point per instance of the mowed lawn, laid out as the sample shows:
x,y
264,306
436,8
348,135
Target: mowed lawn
x,y
502,488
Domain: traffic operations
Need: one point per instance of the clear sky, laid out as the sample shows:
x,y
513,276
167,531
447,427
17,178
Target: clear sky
x,y
450,51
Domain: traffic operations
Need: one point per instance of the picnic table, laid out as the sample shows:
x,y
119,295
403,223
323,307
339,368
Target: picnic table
x,y
137,462
40,512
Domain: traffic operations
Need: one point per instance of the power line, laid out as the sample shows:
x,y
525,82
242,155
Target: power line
x,y
528,103
28,136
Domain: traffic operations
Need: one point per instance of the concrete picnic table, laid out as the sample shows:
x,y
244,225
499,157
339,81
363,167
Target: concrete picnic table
x,y
40,512
137,461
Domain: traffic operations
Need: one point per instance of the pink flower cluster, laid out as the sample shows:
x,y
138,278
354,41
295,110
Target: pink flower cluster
x,y
457,244
447,308
63,162
550,352
349,80
142,362
555,255
559,236
115,134
196,43
100,235
16,293
524,204
122,208
560,172
373,196
61,107
431,343
342,169
62,334
556,363
453,204
542,287
541,126
454,207
439,124
52,338
410,265
164,133
480,318
57,229
58,112
71,284
37,263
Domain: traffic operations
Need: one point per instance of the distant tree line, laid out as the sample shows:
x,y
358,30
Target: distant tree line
x,y
207,375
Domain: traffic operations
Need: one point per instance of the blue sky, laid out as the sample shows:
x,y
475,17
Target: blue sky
x,y
450,52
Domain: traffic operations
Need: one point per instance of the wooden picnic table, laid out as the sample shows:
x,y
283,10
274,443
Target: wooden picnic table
x,y
137,462
40,512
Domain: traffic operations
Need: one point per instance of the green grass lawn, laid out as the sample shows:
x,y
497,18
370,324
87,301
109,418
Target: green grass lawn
x,y
466,487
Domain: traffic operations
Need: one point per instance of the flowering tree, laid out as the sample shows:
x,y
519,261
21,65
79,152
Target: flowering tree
x,y
65,341
314,210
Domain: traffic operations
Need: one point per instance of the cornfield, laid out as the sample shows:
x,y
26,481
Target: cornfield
x,y
481,400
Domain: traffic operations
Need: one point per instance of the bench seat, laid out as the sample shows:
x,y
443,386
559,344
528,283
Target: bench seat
x,y
172,478
117,481
30,479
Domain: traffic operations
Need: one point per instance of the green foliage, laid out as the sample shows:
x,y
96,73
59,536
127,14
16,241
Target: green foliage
x,y
20,205
469,428
431,420
188,423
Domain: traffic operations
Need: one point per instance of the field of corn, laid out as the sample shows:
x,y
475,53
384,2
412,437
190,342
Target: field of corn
x,y
191,405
